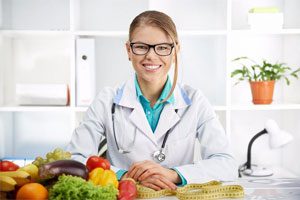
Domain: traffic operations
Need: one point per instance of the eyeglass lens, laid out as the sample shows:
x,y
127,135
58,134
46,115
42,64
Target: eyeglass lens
x,y
160,49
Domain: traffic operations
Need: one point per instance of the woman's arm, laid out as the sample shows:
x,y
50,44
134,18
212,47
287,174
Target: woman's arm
x,y
217,161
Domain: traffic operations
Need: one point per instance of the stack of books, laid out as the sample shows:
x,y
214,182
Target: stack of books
x,y
266,18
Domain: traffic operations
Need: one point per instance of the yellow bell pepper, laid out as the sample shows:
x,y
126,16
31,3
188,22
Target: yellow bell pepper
x,y
102,177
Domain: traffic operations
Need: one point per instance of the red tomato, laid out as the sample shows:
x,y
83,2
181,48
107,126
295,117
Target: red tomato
x,y
127,190
96,161
6,165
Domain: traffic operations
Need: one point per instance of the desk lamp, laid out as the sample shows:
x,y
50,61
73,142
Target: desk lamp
x,y
277,138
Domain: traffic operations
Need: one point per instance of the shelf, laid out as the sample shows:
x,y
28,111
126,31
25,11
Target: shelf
x,y
201,32
101,33
266,32
125,33
112,33
265,107
35,109
32,33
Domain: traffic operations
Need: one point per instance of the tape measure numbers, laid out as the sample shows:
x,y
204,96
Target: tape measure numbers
x,y
205,191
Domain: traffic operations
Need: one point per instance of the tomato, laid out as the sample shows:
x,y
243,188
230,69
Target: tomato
x,y
127,190
6,165
96,161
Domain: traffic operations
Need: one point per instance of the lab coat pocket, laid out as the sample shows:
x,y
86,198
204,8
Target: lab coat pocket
x,y
181,150
125,131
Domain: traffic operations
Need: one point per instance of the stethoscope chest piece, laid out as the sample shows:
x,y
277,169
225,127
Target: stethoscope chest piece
x,y
159,156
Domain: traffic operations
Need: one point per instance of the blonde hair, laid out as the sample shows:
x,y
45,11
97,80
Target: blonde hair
x,y
164,22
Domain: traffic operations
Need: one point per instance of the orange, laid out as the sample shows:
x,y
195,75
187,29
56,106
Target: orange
x,y
32,191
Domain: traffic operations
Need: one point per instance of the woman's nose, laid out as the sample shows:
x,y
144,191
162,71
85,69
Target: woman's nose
x,y
151,53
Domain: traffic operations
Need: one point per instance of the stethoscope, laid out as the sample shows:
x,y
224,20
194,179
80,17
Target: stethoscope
x,y
159,155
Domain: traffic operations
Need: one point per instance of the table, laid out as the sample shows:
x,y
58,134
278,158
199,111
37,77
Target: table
x,y
265,188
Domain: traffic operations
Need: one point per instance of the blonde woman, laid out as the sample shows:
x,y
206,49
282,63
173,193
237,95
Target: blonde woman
x,y
151,123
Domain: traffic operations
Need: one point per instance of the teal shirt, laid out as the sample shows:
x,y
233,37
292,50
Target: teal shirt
x,y
153,113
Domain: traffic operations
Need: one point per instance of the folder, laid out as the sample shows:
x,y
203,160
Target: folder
x,y
85,71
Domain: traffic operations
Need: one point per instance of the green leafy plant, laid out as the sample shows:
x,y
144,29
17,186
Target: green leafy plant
x,y
252,71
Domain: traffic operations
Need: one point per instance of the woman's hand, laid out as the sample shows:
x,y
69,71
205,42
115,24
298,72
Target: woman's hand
x,y
158,182
141,171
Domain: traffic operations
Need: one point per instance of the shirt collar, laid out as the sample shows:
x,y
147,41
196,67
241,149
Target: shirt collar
x,y
163,95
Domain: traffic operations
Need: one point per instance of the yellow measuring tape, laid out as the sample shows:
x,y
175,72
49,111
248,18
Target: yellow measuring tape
x,y
205,191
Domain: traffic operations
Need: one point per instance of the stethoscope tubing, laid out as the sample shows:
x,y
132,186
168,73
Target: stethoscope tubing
x,y
113,110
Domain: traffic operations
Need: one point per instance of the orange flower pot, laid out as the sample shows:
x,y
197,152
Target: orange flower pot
x,y
262,91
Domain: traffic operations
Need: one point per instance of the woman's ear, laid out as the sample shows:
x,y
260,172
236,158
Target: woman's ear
x,y
128,50
177,48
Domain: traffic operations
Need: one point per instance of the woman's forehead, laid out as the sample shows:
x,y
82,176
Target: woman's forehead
x,y
150,34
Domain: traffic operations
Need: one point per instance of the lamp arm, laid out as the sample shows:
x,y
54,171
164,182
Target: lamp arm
x,y
248,163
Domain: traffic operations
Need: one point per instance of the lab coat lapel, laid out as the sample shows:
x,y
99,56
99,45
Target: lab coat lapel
x,y
126,97
138,118
168,119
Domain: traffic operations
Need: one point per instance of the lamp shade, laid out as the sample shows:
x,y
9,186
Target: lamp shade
x,y
277,137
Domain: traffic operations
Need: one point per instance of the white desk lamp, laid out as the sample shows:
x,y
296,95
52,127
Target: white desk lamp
x,y
277,138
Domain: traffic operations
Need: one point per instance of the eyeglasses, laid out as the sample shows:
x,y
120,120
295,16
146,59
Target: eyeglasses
x,y
163,49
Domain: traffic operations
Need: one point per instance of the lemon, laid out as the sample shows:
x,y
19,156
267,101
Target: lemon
x,y
31,169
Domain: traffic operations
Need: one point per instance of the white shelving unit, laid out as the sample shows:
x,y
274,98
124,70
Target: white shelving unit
x,y
37,45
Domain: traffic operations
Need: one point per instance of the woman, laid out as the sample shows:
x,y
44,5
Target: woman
x,y
151,124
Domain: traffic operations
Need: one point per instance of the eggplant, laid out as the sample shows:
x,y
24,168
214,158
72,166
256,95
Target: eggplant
x,y
59,167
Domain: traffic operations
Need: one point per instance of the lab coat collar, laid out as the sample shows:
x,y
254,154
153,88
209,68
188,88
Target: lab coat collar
x,y
126,96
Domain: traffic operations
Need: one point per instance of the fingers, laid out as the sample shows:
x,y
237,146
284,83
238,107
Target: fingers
x,y
137,169
168,183
150,185
149,172
158,182
133,169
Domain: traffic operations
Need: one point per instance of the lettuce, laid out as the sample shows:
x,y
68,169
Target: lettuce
x,y
75,188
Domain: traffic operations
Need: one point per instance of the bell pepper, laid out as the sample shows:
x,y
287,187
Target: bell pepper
x,y
102,177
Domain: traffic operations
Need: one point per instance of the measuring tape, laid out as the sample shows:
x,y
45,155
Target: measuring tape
x,y
205,191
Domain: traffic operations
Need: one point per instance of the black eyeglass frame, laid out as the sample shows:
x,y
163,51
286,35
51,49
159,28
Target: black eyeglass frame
x,y
151,46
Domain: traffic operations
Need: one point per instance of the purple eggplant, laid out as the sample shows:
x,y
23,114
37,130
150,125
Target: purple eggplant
x,y
59,167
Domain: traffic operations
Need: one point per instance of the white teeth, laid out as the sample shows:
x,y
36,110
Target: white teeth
x,y
152,67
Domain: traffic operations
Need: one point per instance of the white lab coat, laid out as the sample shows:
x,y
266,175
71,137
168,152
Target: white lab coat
x,y
195,119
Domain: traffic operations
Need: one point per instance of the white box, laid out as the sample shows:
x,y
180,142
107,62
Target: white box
x,y
42,94
265,21
85,71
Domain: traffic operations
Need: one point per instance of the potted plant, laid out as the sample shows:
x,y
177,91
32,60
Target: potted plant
x,y
262,77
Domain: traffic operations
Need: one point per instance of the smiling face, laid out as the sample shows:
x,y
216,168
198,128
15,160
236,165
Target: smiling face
x,y
150,68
